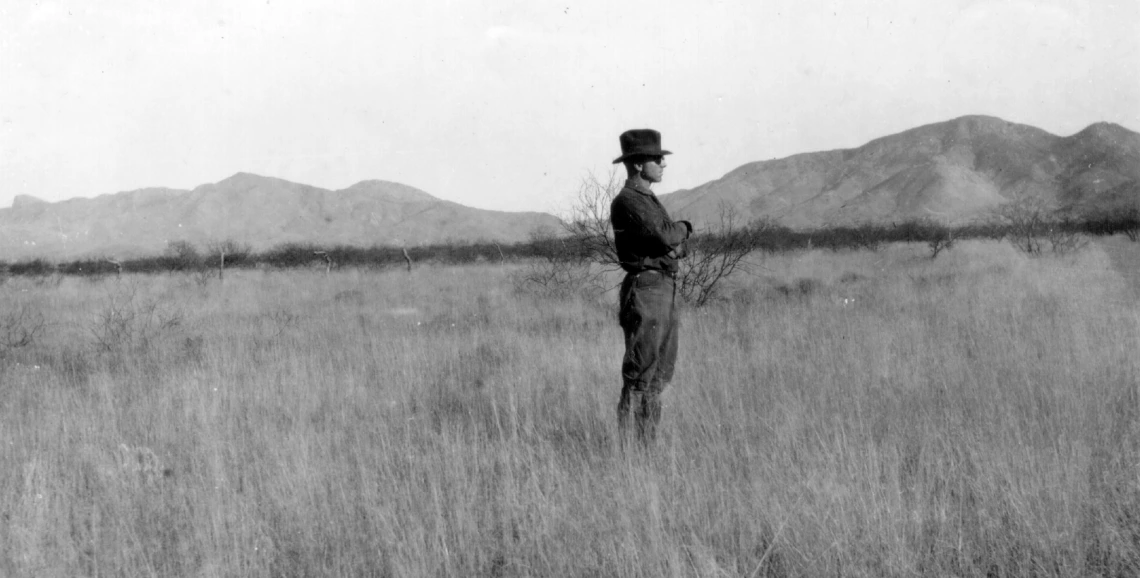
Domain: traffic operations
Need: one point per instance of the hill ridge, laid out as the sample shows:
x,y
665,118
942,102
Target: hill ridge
x,y
955,171
253,209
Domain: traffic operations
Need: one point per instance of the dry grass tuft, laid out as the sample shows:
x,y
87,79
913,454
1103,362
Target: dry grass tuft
x,y
852,414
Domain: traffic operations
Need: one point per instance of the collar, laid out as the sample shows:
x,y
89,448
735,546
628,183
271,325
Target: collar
x,y
630,184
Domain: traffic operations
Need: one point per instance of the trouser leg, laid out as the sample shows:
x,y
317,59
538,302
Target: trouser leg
x,y
650,325
666,361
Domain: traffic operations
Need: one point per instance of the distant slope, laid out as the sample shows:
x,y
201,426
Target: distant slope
x,y
952,171
260,211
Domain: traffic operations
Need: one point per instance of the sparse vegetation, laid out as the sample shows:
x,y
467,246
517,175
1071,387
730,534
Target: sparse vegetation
x,y
939,237
589,233
183,256
1065,237
39,269
236,254
1131,223
558,270
583,253
128,323
1026,220
586,238
19,327
1126,221
900,416
714,256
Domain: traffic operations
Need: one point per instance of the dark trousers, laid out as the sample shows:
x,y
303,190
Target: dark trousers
x,y
650,323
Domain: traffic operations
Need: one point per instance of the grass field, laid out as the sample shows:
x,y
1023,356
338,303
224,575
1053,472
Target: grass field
x,y
835,414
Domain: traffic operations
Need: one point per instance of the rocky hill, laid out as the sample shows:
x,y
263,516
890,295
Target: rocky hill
x,y
953,171
260,211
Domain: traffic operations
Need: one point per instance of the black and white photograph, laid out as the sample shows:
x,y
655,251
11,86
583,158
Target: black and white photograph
x,y
770,288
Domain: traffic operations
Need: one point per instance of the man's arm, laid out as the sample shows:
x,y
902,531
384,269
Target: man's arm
x,y
650,224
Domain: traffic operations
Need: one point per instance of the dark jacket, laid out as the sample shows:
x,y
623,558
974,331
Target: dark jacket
x,y
645,236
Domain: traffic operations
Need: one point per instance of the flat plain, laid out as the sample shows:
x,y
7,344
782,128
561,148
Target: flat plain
x,y
873,413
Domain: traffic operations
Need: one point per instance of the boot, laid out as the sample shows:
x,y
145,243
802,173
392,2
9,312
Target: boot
x,y
627,409
648,416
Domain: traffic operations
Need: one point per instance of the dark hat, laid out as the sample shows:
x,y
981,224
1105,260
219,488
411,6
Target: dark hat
x,y
640,142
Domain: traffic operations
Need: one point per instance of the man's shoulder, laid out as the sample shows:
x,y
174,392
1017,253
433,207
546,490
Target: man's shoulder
x,y
630,196
628,201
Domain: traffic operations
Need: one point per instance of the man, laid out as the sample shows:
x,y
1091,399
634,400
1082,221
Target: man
x,y
649,244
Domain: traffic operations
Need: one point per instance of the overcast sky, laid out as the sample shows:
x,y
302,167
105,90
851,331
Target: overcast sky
x,y
507,104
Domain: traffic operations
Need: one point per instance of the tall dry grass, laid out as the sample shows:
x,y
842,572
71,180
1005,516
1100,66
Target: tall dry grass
x,y
853,414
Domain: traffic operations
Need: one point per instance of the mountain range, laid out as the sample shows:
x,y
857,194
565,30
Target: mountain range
x,y
250,209
954,171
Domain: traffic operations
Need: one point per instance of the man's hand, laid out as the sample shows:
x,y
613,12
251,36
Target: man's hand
x,y
680,251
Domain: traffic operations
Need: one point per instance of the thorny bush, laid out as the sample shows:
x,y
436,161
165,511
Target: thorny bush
x,y
128,322
715,255
1026,220
20,328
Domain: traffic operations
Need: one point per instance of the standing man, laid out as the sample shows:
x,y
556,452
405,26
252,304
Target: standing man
x,y
649,244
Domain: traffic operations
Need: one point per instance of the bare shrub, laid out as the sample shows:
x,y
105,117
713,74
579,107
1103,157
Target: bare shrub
x,y
21,327
1065,238
223,253
1026,219
127,322
940,237
1029,219
714,256
556,272
235,253
1130,223
588,224
578,257
182,256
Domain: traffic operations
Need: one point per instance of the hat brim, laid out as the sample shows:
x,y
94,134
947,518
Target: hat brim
x,y
656,153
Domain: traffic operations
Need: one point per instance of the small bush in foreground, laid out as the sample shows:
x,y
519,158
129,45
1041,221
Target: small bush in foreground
x,y
21,327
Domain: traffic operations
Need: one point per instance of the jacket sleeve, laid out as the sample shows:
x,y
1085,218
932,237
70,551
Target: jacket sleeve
x,y
651,226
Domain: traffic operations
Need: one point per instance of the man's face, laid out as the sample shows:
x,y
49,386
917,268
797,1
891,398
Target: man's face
x,y
653,169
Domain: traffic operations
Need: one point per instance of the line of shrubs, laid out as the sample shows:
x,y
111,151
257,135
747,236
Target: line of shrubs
x,y
183,257
777,238
763,236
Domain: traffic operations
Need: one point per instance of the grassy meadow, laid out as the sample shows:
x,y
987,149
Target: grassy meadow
x,y
833,414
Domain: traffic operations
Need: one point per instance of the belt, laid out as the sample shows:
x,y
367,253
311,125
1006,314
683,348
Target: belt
x,y
669,274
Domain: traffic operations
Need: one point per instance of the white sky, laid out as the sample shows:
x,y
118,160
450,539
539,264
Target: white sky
x,y
507,104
